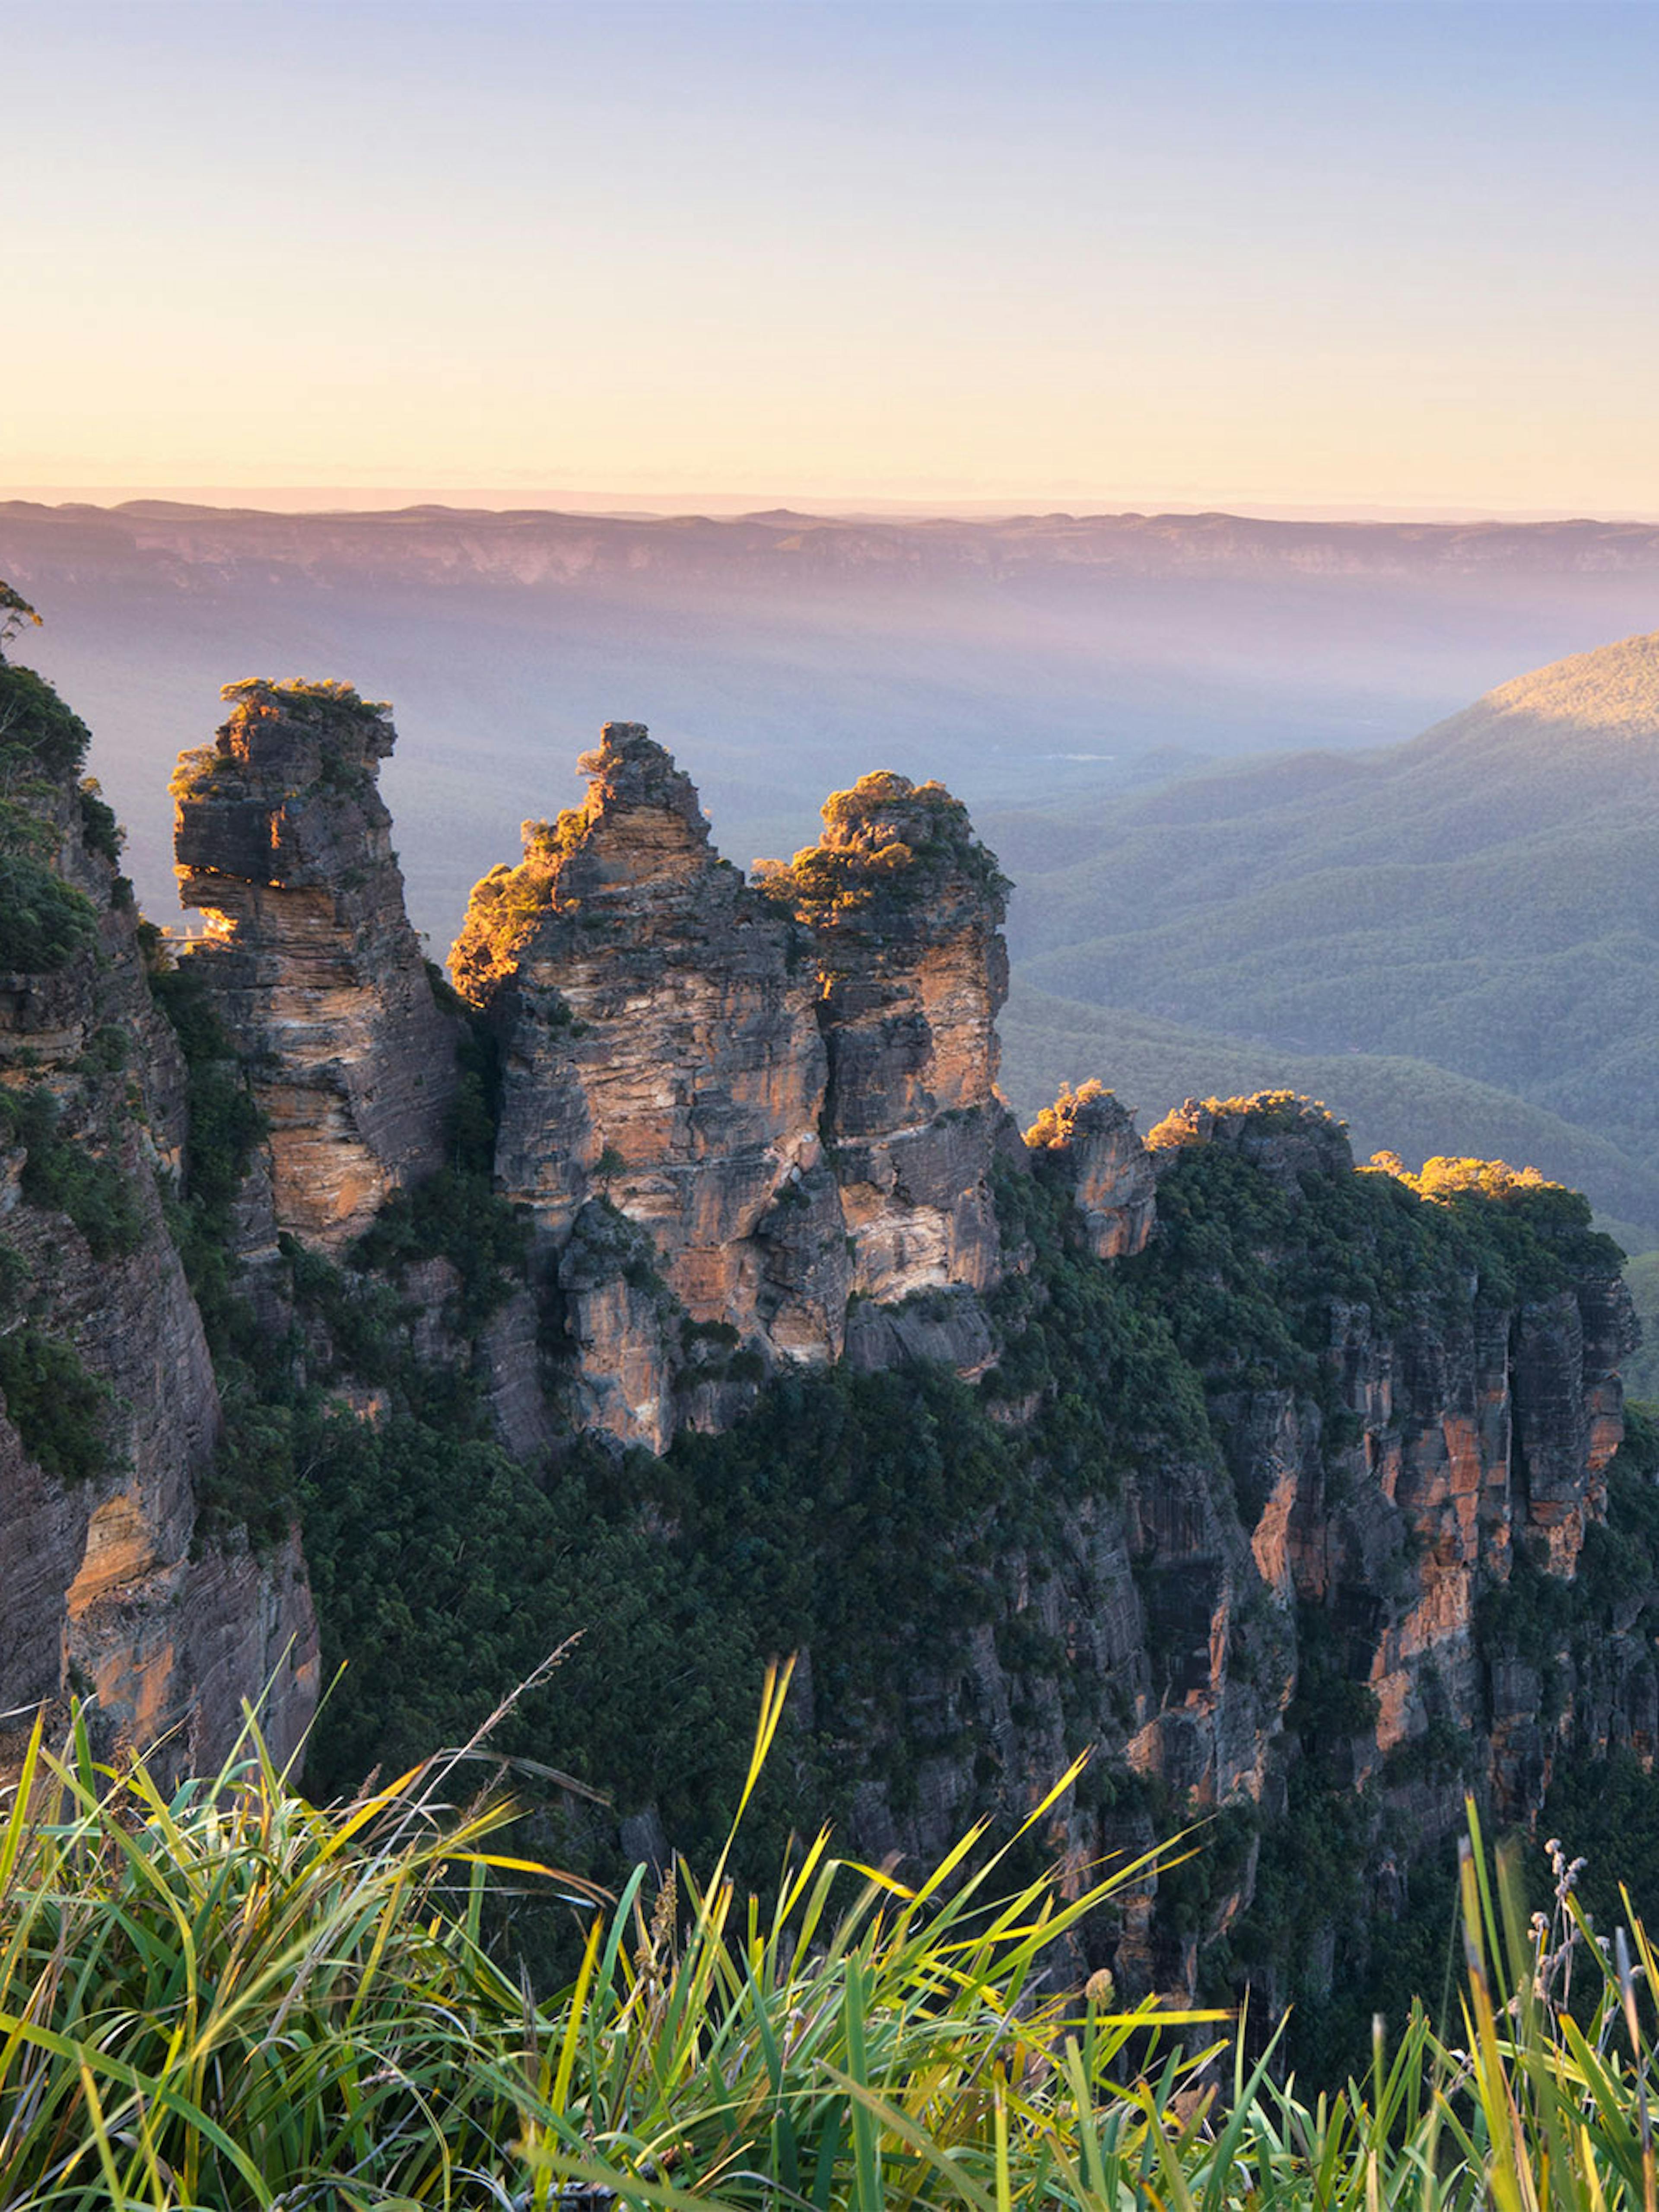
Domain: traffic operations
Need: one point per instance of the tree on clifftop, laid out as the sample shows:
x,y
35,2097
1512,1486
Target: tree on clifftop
x,y
15,612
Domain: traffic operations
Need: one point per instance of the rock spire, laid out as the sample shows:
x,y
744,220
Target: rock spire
x,y
283,843
731,1106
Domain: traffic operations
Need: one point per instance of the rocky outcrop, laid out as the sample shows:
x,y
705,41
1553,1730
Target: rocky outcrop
x,y
1092,1138
112,1587
283,844
905,907
730,1108
662,1078
1262,1445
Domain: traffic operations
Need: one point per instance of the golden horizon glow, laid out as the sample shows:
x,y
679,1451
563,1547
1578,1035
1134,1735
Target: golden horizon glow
x,y
1008,256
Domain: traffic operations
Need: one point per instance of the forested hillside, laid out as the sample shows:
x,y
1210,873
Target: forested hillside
x,y
1480,902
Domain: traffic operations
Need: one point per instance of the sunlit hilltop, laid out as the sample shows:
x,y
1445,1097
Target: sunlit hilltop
x,y
1612,692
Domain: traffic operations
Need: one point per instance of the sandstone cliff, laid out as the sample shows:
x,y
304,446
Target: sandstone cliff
x,y
1282,1487
905,907
730,1109
109,1415
283,843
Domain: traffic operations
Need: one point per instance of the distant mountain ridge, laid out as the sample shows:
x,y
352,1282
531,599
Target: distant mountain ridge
x,y
530,545
1052,657
1482,899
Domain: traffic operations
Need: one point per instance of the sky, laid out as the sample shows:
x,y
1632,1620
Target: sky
x,y
1343,255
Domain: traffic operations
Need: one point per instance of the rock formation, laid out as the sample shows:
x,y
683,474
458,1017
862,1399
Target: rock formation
x,y
662,1077
1261,1451
1112,1181
729,1109
109,1414
905,907
283,843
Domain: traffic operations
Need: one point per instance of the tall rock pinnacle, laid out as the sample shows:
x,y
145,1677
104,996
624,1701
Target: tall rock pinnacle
x,y
730,1107
905,907
283,842
663,1075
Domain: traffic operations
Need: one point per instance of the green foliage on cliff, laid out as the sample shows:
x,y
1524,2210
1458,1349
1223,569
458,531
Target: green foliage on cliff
x,y
888,844
66,1174
100,832
1102,1358
60,1411
452,1215
44,921
225,1126
37,731
325,700
1248,1265
850,1514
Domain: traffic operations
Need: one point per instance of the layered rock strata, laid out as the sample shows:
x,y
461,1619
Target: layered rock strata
x,y
905,907
283,844
1091,1137
729,1109
111,1590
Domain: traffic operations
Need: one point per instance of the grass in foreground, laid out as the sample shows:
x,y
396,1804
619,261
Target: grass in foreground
x,y
228,1997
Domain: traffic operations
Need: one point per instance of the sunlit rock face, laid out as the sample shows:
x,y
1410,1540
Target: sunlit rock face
x,y
1091,1137
1443,1437
728,1106
662,1070
283,843
905,907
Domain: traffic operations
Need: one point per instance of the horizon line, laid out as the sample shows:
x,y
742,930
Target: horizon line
x,y
324,500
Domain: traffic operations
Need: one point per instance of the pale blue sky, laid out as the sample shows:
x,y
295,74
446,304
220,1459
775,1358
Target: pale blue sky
x,y
1324,254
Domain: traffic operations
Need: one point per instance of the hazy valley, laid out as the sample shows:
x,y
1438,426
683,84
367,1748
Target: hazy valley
x,y
1047,659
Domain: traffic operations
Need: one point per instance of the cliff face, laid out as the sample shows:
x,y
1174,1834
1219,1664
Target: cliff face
x,y
1273,1482
109,1414
729,1109
1422,1450
905,909
1090,1139
283,843
1409,1400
